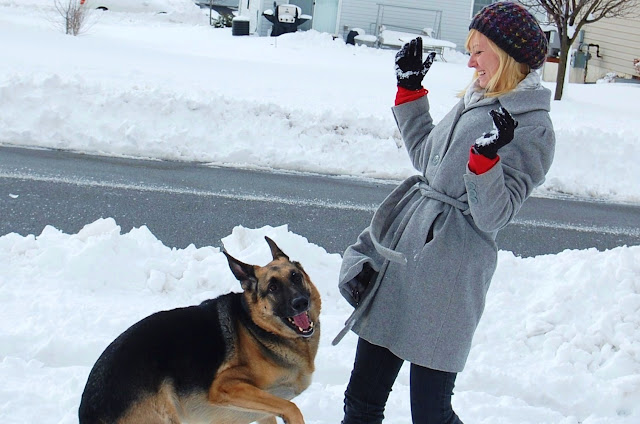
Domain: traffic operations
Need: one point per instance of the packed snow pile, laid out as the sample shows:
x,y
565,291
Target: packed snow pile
x,y
559,341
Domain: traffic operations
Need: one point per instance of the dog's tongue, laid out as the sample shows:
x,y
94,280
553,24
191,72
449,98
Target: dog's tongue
x,y
302,320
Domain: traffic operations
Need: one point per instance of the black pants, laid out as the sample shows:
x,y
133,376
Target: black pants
x,y
374,372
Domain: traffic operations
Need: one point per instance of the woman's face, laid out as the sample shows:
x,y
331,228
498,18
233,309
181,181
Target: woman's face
x,y
483,59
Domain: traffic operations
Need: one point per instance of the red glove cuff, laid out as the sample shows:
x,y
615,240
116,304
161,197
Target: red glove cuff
x,y
405,96
479,164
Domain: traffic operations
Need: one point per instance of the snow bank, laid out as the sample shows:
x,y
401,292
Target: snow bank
x,y
559,341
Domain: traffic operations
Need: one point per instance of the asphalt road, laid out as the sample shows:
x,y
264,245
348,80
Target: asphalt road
x,y
186,203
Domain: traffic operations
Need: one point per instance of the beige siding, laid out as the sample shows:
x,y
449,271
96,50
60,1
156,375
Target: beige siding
x,y
619,41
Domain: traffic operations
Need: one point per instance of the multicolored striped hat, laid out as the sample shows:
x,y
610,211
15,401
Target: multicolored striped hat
x,y
514,30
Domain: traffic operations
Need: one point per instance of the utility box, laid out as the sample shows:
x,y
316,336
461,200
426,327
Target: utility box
x,y
579,59
240,25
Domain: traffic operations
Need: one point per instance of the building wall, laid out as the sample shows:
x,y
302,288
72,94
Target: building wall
x,y
456,15
619,41
454,23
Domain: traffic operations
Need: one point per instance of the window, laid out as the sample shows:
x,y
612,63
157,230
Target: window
x,y
477,5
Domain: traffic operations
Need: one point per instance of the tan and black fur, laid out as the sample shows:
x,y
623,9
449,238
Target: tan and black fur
x,y
235,359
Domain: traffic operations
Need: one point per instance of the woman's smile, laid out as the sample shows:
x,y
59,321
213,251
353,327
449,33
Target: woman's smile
x,y
483,59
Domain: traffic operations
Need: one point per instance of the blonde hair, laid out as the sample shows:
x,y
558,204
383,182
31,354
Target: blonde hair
x,y
508,75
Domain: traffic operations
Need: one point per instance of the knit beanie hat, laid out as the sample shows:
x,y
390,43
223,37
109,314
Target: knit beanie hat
x,y
514,30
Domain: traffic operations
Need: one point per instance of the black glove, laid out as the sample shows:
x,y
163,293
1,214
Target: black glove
x,y
409,66
503,127
361,282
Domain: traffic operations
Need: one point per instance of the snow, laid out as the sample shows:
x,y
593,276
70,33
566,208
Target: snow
x,y
559,341
170,86
560,338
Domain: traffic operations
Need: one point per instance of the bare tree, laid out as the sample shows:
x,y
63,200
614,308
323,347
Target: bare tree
x,y
74,14
570,16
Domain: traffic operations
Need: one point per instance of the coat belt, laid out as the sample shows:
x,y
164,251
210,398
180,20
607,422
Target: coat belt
x,y
386,209
459,203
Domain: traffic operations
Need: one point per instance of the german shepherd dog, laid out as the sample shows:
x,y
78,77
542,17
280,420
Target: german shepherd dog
x,y
235,359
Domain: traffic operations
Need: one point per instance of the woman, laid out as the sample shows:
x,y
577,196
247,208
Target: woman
x,y
418,275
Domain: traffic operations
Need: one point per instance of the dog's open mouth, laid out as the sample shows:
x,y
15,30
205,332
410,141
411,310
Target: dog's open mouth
x,y
301,324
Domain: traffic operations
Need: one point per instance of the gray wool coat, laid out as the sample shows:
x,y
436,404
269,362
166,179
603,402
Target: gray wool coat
x,y
432,240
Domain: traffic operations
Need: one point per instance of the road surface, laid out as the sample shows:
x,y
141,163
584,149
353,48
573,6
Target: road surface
x,y
186,203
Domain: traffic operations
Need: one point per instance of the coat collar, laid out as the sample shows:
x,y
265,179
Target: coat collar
x,y
529,95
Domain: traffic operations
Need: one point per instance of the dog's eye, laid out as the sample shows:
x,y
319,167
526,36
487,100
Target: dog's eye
x,y
296,277
273,287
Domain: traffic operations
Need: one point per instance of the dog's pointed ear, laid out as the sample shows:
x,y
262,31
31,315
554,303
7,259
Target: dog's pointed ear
x,y
245,273
275,250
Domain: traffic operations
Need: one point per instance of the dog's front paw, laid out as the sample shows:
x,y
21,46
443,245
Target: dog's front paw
x,y
293,417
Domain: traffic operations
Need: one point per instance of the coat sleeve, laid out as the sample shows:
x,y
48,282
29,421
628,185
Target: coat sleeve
x,y
415,124
353,262
495,197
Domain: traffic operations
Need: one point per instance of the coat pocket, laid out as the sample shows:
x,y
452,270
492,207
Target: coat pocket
x,y
431,230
